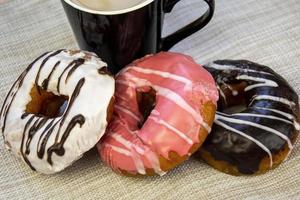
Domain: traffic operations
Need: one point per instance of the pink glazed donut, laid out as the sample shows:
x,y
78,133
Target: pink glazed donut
x,y
164,108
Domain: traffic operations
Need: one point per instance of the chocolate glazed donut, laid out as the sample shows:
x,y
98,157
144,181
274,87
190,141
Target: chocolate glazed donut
x,y
257,120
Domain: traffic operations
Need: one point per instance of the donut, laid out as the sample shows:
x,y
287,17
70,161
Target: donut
x,y
57,109
164,108
257,120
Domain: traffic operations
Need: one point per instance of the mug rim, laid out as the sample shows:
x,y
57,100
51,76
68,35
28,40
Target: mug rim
x,y
113,12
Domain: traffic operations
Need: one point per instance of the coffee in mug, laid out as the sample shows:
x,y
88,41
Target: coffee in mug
x,y
108,5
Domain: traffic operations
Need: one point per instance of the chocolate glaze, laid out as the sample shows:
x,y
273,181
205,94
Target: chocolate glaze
x,y
227,145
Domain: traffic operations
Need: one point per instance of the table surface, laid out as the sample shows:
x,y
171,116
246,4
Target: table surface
x,y
266,31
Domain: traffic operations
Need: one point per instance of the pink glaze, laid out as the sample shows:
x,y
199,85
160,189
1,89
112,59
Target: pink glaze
x,y
182,87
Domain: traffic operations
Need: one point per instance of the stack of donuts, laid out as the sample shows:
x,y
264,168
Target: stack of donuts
x,y
238,116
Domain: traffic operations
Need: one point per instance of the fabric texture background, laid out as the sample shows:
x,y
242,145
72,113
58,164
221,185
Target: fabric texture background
x,y
266,32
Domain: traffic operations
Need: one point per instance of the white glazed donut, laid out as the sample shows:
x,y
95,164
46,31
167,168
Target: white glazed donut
x,y
47,144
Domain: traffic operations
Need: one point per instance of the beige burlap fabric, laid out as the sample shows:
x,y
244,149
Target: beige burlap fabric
x,y
264,31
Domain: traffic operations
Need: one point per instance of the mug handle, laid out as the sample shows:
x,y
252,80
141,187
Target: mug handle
x,y
169,41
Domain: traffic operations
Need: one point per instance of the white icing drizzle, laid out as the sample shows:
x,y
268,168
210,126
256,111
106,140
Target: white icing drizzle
x,y
163,74
128,84
222,94
119,150
168,126
171,95
151,156
258,143
119,138
232,67
136,158
264,82
183,104
120,97
233,91
127,112
289,116
268,129
273,98
111,161
120,122
263,116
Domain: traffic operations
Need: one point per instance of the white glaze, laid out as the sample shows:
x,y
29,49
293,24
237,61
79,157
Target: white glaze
x,y
94,109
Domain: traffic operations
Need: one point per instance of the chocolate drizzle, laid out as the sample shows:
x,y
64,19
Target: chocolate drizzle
x,y
46,81
41,146
24,115
104,71
42,65
18,83
267,124
23,140
38,124
78,62
73,65
57,147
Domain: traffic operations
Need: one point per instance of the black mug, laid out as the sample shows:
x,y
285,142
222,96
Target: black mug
x,y
119,37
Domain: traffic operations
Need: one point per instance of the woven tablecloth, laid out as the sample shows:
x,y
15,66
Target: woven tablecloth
x,y
266,31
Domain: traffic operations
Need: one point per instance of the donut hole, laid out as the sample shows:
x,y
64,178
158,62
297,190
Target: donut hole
x,y
146,99
46,104
234,93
